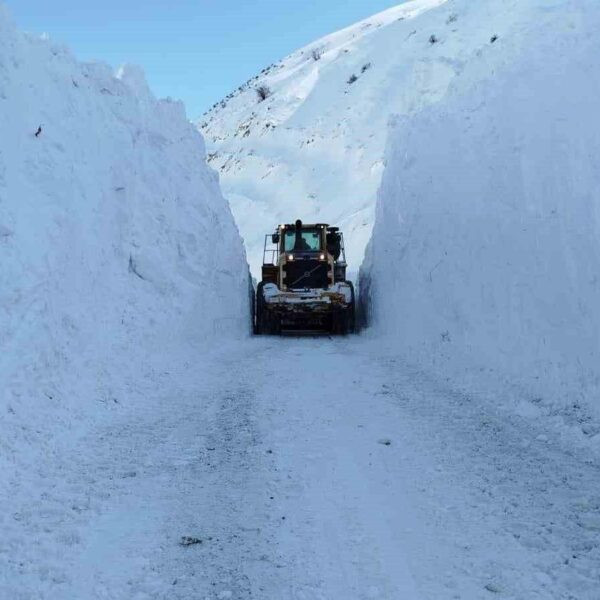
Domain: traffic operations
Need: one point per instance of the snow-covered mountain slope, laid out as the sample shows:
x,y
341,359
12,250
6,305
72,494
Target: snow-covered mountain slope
x,y
314,148
486,248
115,242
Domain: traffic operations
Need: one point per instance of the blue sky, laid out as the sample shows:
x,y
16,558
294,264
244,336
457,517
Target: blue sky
x,y
196,50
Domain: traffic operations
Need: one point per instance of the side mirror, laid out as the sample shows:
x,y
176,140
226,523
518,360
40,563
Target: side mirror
x,y
275,238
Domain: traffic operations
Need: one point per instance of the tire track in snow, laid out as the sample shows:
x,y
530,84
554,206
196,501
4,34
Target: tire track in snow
x,y
313,469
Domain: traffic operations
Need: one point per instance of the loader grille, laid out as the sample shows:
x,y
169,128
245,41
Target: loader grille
x,y
305,274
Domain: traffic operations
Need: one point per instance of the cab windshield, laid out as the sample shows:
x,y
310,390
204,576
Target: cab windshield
x,y
310,240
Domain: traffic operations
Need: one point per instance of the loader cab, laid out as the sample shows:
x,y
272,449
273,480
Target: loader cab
x,y
301,256
303,239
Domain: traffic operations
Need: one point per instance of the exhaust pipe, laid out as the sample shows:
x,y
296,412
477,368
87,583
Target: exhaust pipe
x,y
298,242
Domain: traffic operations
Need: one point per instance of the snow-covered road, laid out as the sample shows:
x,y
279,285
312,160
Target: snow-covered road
x,y
307,469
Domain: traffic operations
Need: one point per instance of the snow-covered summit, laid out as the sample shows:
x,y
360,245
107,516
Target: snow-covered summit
x,y
314,147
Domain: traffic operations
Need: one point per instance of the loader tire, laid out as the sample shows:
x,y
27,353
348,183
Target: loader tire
x,y
265,322
343,321
352,311
259,322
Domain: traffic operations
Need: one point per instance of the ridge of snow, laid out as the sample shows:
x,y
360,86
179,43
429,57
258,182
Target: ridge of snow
x,y
361,29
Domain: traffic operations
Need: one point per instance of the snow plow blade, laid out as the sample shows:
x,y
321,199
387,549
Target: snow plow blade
x,y
305,312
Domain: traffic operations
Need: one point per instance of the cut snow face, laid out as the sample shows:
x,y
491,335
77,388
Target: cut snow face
x,y
108,218
115,242
486,250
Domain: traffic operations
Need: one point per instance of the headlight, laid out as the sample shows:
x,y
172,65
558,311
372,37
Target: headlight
x,y
322,257
290,257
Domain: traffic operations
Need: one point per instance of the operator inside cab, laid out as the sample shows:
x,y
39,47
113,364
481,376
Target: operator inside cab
x,y
302,240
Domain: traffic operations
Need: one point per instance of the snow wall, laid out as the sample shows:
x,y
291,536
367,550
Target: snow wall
x,y
485,255
115,241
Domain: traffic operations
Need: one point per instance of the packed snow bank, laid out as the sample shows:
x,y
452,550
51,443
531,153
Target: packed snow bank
x,y
115,242
486,247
